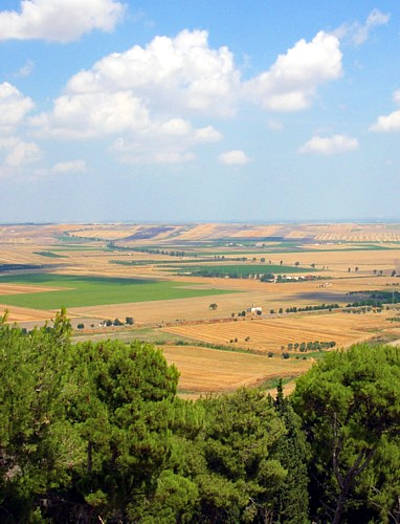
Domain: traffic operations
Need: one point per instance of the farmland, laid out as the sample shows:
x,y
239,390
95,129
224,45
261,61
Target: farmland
x,y
89,291
206,370
167,277
272,335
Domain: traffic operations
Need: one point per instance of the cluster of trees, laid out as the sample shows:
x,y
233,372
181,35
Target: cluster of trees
x,y
95,433
117,322
311,346
129,321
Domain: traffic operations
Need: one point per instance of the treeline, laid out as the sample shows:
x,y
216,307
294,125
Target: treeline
x,y
96,433
298,309
151,250
311,346
376,298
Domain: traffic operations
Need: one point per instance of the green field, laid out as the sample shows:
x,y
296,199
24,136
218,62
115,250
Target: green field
x,y
241,270
96,291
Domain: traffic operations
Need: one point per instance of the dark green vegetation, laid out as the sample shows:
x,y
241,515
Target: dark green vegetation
x,y
92,291
375,298
14,267
49,254
317,307
241,270
95,433
311,346
350,408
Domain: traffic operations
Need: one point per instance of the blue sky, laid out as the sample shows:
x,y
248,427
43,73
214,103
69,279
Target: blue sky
x,y
180,111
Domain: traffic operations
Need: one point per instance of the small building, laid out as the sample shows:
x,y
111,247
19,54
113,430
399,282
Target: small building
x,y
257,310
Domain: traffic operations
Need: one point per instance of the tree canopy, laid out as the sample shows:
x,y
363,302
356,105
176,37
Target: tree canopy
x,y
95,432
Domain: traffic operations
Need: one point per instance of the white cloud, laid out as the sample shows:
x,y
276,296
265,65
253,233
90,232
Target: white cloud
x,y
375,19
330,145
291,82
13,106
92,115
387,123
73,166
390,122
59,20
19,153
181,73
146,97
236,157
142,96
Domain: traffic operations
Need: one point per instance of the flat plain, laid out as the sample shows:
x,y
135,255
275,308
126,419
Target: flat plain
x,y
150,272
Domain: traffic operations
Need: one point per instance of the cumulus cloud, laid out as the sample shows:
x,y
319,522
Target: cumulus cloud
x,y
147,97
92,115
391,122
15,152
237,157
59,20
329,145
388,123
182,73
291,82
13,106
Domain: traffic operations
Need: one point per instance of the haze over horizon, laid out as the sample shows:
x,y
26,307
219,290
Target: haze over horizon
x,y
196,112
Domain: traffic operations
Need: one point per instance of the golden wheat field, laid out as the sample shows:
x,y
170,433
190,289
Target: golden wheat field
x,y
204,370
271,335
22,315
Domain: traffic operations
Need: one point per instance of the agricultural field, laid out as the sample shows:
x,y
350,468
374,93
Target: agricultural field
x,y
206,370
167,277
275,334
76,291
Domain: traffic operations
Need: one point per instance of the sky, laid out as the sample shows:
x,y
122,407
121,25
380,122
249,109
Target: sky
x,y
186,111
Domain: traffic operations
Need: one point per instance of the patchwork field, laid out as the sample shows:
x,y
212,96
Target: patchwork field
x,y
166,277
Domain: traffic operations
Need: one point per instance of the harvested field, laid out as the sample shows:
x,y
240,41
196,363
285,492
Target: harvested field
x,y
209,370
270,335
17,289
20,314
